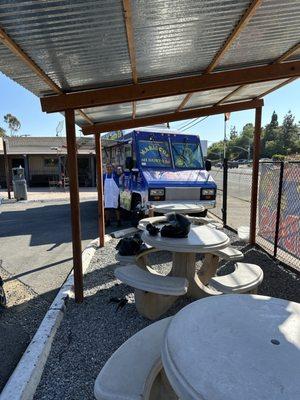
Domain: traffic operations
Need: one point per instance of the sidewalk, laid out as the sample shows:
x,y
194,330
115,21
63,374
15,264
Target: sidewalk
x,y
45,194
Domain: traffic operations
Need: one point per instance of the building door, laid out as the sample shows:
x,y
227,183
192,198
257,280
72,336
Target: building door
x,y
84,172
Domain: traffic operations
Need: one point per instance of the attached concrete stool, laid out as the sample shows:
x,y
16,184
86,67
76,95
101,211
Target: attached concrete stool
x,y
211,262
154,293
244,279
130,372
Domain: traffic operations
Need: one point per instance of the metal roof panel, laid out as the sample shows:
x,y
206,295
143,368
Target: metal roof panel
x,y
274,28
175,37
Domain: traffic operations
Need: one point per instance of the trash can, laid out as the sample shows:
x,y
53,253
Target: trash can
x,y
19,183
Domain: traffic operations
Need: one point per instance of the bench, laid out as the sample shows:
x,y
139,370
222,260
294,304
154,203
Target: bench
x,y
244,279
149,282
211,262
229,254
154,293
131,371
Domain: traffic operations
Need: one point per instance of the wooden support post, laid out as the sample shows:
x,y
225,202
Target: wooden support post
x,y
6,166
75,206
101,223
255,174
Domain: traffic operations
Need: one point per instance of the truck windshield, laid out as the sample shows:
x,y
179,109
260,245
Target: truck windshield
x,y
155,153
187,155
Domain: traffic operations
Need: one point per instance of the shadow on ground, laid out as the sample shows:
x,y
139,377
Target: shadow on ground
x,y
92,331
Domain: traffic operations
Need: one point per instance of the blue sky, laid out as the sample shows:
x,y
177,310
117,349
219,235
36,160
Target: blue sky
x,y
26,107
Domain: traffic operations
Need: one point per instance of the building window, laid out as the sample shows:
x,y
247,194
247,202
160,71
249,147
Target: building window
x,y
50,162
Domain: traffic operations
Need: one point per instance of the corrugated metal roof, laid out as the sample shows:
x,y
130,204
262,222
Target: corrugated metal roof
x,y
83,44
78,44
161,105
208,97
110,113
181,37
274,28
254,90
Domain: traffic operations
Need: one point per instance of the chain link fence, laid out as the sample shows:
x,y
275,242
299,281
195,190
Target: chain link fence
x,y
279,211
239,182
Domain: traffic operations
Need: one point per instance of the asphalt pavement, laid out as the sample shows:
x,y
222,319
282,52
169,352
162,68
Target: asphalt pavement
x,y
35,259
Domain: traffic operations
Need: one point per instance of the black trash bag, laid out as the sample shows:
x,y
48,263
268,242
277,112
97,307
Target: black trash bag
x,y
152,229
178,226
130,246
2,294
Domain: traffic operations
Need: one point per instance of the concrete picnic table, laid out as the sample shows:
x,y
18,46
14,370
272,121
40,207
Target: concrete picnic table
x,y
183,207
234,347
201,239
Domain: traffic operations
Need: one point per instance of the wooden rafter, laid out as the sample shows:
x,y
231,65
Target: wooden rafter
x,y
131,46
278,60
235,91
85,116
233,35
130,123
24,57
287,54
169,87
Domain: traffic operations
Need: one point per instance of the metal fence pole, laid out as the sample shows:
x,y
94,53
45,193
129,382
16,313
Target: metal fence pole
x,y
225,181
255,174
278,208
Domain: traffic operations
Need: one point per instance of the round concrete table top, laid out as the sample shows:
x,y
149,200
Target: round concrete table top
x,y
234,347
186,207
201,239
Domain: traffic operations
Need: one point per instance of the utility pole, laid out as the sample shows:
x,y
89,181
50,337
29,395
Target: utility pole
x,y
6,165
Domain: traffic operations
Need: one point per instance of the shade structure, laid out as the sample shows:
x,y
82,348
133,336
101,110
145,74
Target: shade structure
x,y
114,63
84,45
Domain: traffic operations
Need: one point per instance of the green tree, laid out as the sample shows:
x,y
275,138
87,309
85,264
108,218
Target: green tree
x,y
215,151
233,132
288,134
2,132
13,123
271,129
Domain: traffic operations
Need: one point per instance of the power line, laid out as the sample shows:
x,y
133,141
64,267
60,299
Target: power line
x,y
188,123
198,122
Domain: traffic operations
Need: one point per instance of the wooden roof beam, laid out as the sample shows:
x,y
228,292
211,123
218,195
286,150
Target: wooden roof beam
x,y
130,123
169,87
24,57
236,31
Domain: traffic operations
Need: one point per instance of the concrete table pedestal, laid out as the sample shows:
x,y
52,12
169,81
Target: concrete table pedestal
x,y
201,239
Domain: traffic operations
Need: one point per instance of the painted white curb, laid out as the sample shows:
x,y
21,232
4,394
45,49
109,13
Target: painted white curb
x,y
23,382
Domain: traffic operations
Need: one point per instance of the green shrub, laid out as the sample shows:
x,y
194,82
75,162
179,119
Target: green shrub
x,y
278,157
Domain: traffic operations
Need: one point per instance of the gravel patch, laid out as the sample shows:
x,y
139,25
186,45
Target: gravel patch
x,y
91,332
